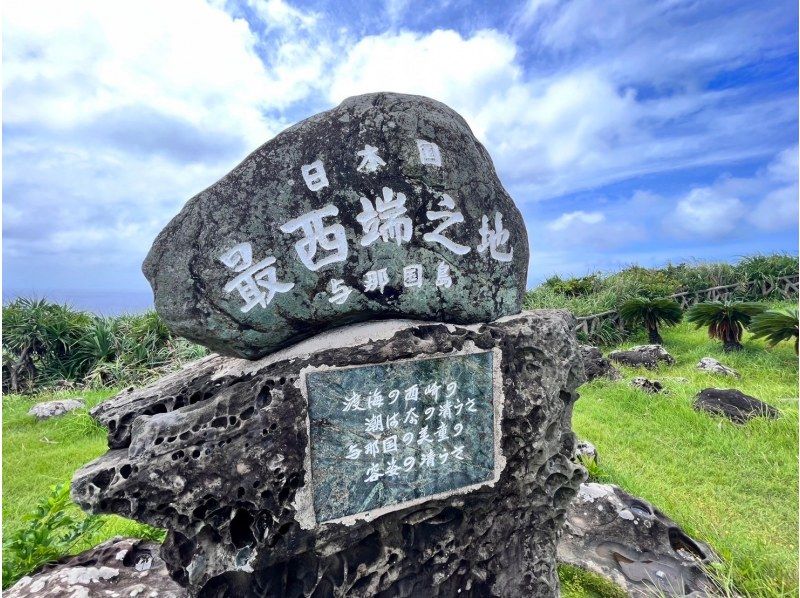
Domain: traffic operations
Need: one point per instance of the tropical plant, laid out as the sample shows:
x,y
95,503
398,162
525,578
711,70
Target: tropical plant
x,y
50,531
651,313
726,321
776,325
37,337
45,343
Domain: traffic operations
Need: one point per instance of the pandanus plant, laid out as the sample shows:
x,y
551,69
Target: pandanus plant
x,y
776,325
651,313
726,320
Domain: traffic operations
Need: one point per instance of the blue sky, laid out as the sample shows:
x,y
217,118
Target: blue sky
x,y
626,131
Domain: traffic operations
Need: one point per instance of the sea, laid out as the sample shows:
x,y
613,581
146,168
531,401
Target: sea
x,y
101,302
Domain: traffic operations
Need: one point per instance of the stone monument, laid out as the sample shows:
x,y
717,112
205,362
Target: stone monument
x,y
379,419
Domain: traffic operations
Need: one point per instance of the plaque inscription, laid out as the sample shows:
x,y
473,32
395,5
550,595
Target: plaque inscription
x,y
386,434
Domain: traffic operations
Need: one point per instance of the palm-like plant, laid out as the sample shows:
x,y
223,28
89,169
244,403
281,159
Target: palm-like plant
x,y
776,325
725,320
651,313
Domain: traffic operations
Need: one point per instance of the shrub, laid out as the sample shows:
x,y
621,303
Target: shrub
x,y
574,287
44,343
776,325
38,336
651,313
50,532
726,321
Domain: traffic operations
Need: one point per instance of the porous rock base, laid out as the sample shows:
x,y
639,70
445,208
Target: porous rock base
x,y
215,454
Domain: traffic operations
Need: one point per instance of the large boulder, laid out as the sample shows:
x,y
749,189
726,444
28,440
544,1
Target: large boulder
x,y
243,462
120,567
385,206
648,356
627,540
733,404
597,366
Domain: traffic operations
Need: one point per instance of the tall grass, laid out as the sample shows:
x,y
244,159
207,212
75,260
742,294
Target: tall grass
x,y
46,344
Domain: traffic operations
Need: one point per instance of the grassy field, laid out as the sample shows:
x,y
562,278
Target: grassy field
x,y
37,455
734,487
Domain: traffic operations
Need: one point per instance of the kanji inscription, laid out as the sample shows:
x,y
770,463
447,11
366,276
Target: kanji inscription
x,y
387,434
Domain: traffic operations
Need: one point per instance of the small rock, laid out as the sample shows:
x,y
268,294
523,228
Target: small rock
x,y
625,539
596,366
586,451
651,386
50,409
648,356
733,404
711,365
110,569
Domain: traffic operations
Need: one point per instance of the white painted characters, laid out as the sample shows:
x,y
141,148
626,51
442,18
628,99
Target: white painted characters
x,y
329,237
412,275
494,239
339,291
376,280
370,160
314,175
385,219
443,278
257,283
429,153
392,427
448,218
323,239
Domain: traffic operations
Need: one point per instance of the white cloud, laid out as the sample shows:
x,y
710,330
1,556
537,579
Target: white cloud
x,y
575,128
767,201
594,230
117,112
708,213
569,219
279,14
65,64
442,64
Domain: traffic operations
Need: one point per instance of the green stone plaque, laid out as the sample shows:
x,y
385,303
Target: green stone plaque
x,y
387,434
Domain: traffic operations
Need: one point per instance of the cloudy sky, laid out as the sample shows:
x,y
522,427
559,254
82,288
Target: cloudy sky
x,y
626,130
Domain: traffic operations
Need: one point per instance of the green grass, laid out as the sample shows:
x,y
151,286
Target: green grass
x,y
37,455
734,487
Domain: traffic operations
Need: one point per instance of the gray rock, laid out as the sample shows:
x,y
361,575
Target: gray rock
x,y
586,451
597,366
216,454
733,404
623,538
711,365
468,273
50,409
648,356
120,567
649,386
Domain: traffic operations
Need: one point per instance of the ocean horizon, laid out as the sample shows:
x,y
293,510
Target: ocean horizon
x,y
101,302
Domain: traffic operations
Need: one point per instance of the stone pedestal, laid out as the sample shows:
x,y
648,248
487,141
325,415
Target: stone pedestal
x,y
269,486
